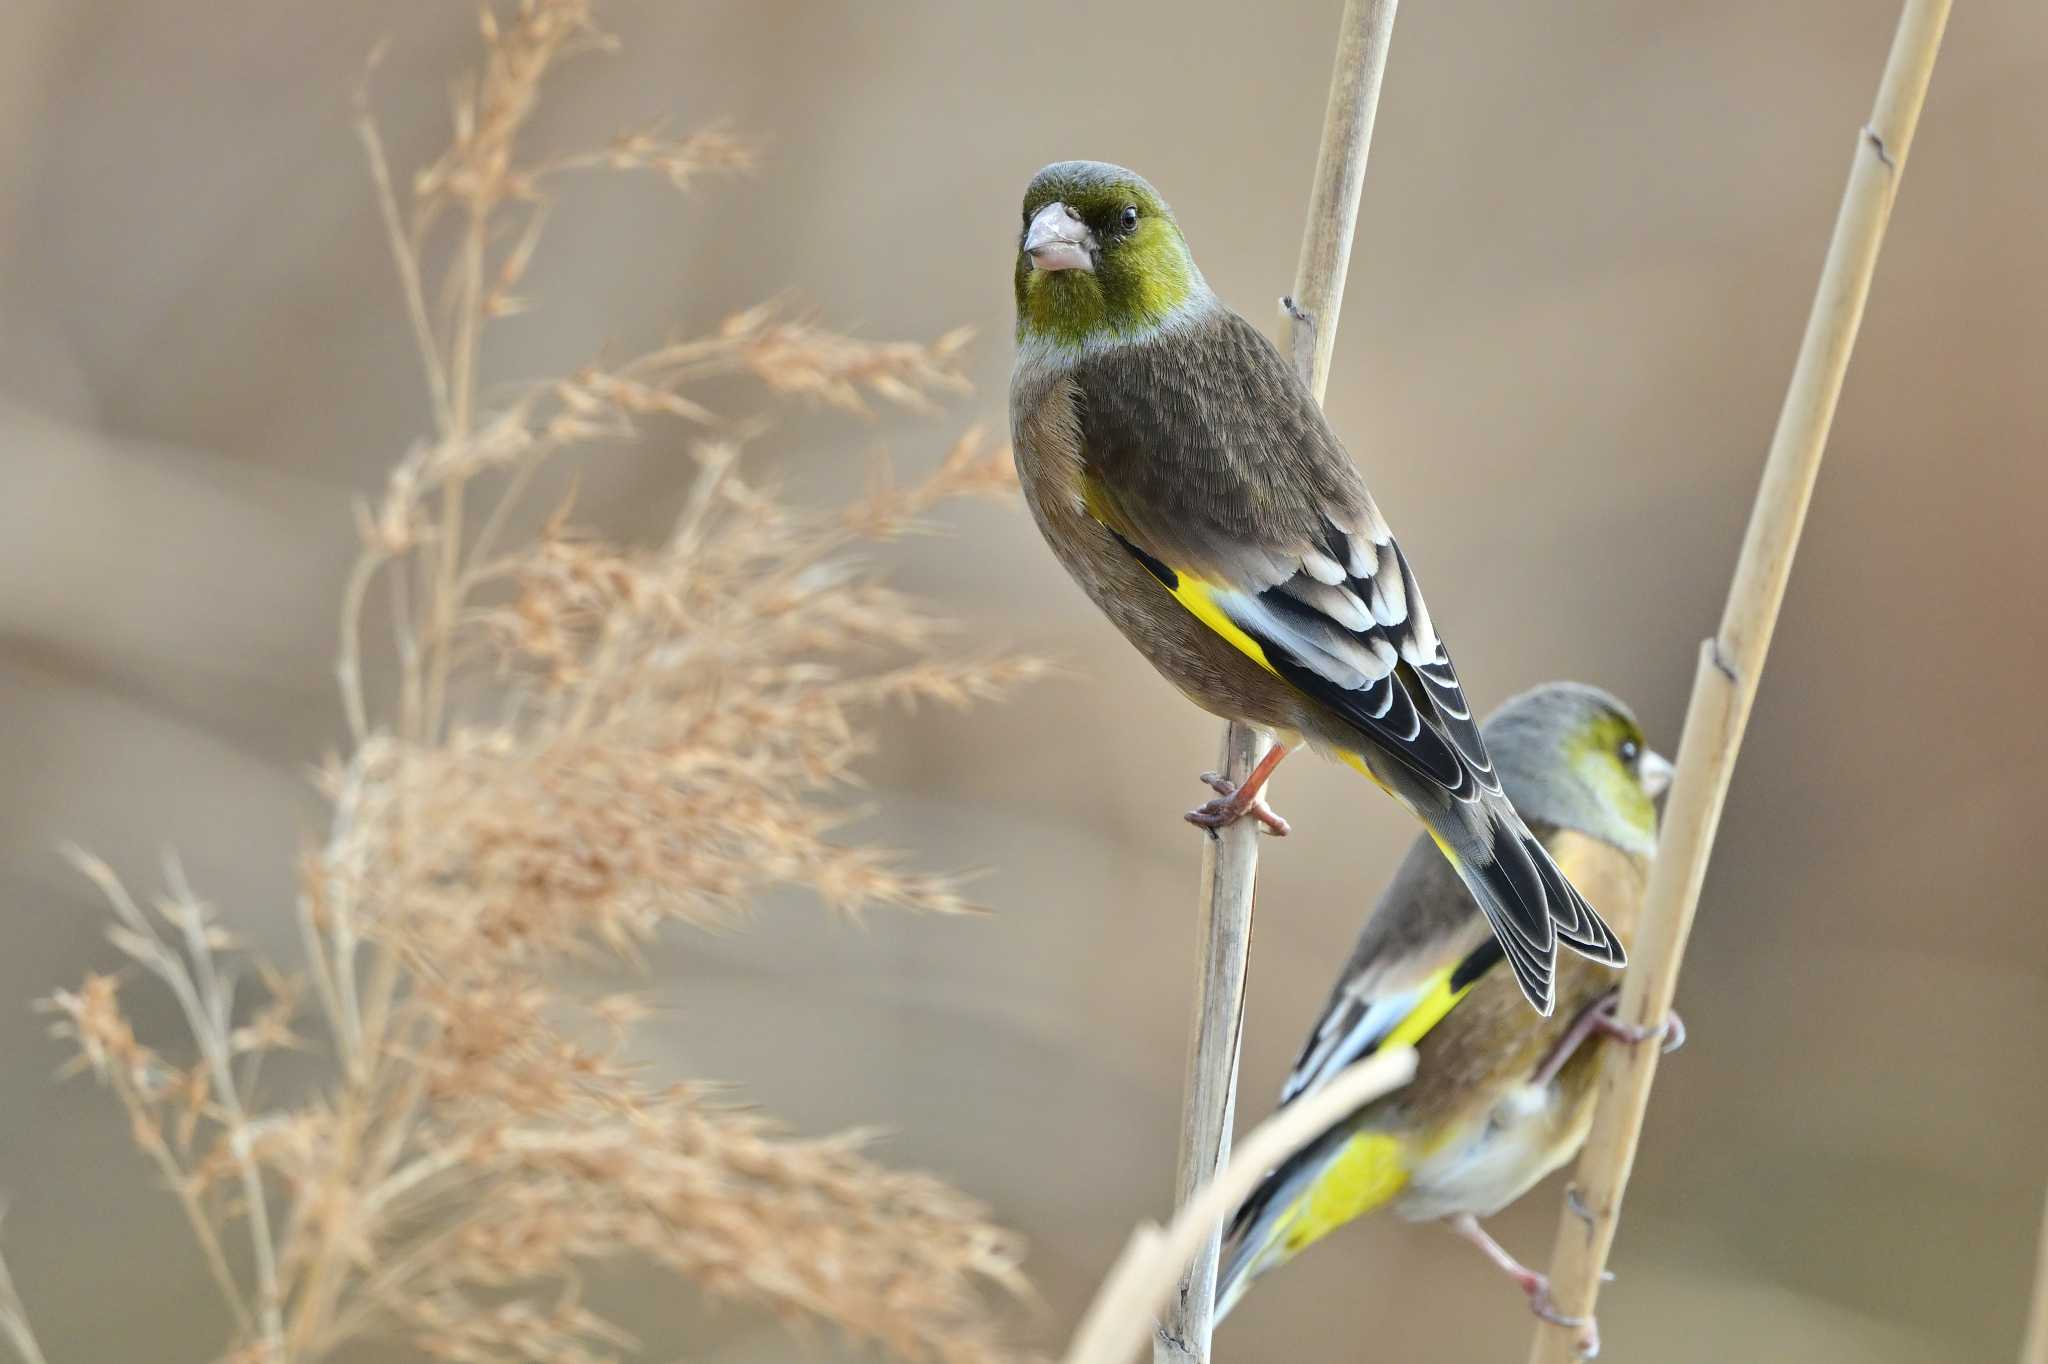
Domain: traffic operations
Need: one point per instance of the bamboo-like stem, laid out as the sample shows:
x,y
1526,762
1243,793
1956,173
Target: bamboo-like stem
x,y
2034,1348
1113,1327
1362,43
1730,665
1209,1099
1230,858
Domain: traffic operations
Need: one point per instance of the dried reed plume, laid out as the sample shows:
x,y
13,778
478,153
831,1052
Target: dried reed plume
x,y
573,744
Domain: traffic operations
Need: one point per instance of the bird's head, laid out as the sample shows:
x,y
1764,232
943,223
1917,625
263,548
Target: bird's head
x,y
1574,756
1099,257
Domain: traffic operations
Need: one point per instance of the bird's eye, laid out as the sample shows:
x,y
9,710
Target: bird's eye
x,y
1130,218
1630,750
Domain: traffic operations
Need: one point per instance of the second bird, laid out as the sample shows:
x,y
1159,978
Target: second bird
x,y
1187,479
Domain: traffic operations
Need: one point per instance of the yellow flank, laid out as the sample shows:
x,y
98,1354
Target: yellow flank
x,y
1366,1173
1371,1167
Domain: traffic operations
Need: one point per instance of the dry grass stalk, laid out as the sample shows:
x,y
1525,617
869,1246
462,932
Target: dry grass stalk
x,y
1731,664
1144,1276
14,1323
1230,859
2034,1346
578,743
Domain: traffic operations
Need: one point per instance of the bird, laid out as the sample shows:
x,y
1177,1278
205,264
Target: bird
x,y
1186,478
1498,1100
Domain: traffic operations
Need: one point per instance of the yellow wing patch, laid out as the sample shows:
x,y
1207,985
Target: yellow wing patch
x,y
1372,1167
1198,596
1357,761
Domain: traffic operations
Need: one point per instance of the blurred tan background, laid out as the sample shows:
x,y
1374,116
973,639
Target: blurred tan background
x,y
1588,243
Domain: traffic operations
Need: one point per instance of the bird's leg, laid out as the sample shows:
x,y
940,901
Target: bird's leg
x,y
1583,1027
1235,802
1533,1285
1598,1017
1527,1279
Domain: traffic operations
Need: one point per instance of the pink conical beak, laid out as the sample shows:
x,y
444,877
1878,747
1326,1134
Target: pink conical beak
x,y
1057,239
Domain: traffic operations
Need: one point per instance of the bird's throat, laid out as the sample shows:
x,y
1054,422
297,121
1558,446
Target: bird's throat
x,y
1062,307
1078,309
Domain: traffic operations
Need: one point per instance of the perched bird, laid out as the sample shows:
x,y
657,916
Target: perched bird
x,y
1186,478
1498,1101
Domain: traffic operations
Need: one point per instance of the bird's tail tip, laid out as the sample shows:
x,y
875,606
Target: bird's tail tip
x,y
1533,907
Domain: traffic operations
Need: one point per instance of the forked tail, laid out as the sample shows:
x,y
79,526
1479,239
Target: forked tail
x,y
1528,901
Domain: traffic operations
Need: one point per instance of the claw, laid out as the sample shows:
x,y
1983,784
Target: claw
x,y
1671,1030
1232,805
1535,1285
1588,1343
1234,802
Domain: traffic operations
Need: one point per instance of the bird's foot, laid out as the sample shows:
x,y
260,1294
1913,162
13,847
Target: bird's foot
x,y
1535,1286
1671,1030
1588,1343
1599,1018
1233,804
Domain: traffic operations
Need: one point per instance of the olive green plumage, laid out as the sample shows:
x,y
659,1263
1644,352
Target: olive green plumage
x,y
1474,1130
1189,482
1133,287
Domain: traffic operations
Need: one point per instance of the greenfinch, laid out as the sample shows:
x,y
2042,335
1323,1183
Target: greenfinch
x,y
1184,475
1498,1100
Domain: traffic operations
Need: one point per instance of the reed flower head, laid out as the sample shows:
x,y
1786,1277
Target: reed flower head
x,y
562,746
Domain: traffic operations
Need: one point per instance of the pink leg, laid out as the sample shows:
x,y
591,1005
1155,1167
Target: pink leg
x,y
1598,1017
1238,801
1534,1285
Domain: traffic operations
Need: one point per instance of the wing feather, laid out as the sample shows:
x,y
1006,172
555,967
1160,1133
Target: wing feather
x,y
1207,457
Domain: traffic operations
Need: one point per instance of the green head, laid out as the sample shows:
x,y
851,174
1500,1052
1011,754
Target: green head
x,y
1099,257
1574,756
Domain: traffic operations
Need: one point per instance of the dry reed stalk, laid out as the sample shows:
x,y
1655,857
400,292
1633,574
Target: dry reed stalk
x,y
1730,664
14,1323
2034,1346
1143,1277
1230,857
575,744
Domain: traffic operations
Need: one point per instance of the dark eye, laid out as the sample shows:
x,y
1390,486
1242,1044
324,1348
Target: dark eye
x,y
1130,218
1630,750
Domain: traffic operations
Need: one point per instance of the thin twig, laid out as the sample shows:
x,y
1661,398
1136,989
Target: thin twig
x,y
446,580
2034,1349
1230,859
1730,665
136,1105
402,253
14,1326
1113,1327
207,1014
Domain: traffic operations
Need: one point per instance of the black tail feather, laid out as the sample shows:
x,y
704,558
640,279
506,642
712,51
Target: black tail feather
x,y
1589,935
1532,907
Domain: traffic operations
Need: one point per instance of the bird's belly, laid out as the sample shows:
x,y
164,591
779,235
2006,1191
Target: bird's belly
x,y
1491,1160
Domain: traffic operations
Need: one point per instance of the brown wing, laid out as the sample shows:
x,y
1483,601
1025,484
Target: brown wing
x,y
1206,454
